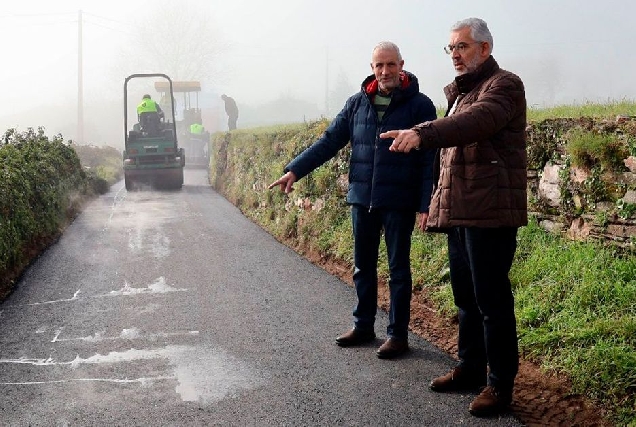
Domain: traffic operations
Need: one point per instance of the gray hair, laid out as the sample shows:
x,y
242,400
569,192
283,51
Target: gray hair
x,y
388,46
478,30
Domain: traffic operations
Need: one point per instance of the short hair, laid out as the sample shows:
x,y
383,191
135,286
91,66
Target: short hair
x,y
388,46
478,30
146,96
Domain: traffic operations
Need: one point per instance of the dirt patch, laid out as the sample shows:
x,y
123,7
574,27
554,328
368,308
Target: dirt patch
x,y
540,399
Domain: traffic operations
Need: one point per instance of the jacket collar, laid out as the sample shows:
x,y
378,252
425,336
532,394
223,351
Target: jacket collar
x,y
370,86
467,82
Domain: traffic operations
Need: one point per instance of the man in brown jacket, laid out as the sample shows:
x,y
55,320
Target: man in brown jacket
x,y
480,201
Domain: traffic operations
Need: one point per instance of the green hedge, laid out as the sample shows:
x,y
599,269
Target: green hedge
x,y
42,183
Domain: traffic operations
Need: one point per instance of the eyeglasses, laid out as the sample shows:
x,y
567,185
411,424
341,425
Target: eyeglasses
x,y
461,47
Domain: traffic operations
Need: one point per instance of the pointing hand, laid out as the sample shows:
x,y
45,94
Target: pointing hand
x,y
403,140
285,182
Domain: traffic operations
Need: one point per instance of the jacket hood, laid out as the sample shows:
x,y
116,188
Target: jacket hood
x,y
409,86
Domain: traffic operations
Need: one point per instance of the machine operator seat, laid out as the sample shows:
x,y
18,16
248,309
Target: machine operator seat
x,y
150,123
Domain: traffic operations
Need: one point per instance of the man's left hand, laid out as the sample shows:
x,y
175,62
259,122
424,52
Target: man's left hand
x,y
403,140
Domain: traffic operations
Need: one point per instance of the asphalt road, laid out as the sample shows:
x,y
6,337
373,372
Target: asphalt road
x,y
171,308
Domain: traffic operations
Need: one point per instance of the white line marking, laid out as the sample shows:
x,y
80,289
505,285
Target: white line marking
x,y
143,381
159,286
74,298
202,374
126,334
57,334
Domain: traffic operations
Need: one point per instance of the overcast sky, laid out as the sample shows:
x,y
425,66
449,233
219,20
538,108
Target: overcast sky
x,y
566,51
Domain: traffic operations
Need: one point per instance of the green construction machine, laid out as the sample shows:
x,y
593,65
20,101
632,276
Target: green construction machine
x,y
190,130
152,154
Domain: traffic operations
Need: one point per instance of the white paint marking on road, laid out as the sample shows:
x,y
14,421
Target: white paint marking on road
x,y
202,374
126,334
144,382
115,200
159,286
27,361
57,334
74,298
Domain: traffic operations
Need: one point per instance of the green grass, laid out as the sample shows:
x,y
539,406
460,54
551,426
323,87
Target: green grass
x,y
608,110
577,314
588,149
575,305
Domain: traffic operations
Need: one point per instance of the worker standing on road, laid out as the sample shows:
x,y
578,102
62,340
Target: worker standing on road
x,y
232,111
386,189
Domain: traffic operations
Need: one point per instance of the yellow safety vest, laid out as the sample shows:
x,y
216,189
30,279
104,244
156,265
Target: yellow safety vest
x,y
196,128
147,106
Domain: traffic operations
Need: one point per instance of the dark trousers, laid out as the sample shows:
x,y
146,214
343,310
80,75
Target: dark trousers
x,y
480,260
367,230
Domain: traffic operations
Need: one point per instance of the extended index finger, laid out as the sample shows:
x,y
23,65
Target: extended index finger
x,y
390,134
274,184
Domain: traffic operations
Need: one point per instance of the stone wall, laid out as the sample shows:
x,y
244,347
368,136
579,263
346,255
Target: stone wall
x,y
581,188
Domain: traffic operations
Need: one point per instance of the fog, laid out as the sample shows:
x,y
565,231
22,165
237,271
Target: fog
x,y
287,61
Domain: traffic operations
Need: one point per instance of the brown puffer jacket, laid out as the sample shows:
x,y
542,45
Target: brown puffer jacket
x,y
482,179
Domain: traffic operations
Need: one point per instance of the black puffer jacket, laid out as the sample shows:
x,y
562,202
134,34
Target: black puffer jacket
x,y
378,178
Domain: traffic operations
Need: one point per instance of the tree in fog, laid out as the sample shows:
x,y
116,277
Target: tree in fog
x,y
341,91
175,38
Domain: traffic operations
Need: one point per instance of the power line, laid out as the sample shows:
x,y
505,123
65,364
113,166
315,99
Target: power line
x,y
86,21
108,19
31,15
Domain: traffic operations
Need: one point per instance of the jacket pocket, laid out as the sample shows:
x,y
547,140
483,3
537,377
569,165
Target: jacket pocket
x,y
473,191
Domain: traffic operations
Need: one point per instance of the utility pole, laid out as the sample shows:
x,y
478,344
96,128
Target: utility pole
x,y
327,83
80,82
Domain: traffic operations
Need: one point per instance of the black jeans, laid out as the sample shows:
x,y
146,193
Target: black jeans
x,y
367,230
480,260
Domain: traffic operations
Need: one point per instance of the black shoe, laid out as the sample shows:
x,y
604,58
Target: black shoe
x,y
355,337
392,348
458,379
491,401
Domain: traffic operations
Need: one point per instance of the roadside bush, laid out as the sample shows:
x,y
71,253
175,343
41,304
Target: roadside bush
x,y
588,149
103,166
41,188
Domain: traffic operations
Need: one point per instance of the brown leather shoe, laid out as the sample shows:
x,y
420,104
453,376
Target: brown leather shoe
x,y
392,347
355,337
491,401
458,379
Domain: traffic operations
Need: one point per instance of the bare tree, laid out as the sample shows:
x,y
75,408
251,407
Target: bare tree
x,y
176,38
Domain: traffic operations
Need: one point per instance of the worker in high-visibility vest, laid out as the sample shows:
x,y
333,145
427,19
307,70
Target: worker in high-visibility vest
x,y
196,129
148,105
149,114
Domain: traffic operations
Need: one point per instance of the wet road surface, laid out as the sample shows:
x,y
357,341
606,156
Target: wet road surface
x,y
171,308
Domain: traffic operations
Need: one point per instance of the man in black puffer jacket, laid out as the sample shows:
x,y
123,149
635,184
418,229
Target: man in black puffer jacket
x,y
386,189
